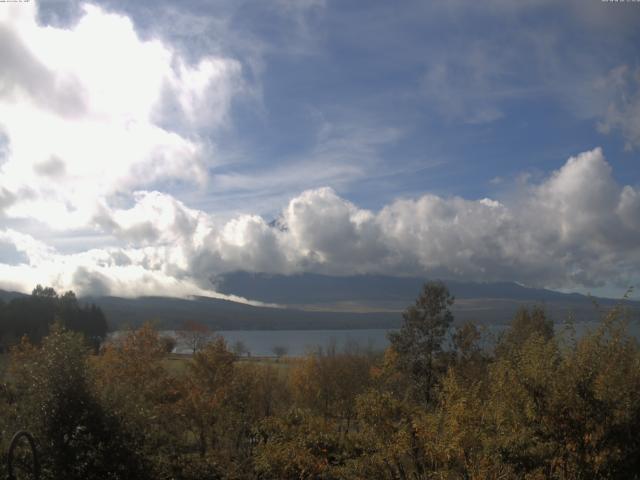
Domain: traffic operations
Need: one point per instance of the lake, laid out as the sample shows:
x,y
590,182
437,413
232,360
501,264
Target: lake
x,y
300,342
297,342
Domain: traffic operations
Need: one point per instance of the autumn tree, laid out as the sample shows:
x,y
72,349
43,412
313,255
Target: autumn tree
x,y
133,383
195,335
206,390
526,322
298,446
168,343
469,359
328,382
55,400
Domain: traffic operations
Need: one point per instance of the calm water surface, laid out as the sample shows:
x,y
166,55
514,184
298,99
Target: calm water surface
x,y
300,342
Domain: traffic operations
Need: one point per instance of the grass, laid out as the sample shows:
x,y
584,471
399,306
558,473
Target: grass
x,y
176,364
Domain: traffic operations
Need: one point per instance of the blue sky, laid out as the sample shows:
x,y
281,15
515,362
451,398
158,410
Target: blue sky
x,y
441,97
227,115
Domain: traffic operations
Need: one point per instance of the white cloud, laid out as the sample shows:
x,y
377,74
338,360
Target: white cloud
x,y
154,219
94,110
577,228
623,112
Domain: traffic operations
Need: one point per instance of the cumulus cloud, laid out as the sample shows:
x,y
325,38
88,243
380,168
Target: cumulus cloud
x,y
93,110
155,219
576,228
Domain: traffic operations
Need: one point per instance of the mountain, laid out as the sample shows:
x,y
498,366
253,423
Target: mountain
x,y
226,315
488,303
317,302
311,301
398,292
7,296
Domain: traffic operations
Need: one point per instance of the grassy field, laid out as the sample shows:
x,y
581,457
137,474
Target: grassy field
x,y
177,363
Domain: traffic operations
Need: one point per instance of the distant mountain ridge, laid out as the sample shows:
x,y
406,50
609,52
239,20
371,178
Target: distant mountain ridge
x,y
310,288
318,302
170,313
7,296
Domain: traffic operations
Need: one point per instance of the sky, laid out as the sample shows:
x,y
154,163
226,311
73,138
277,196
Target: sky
x,y
148,147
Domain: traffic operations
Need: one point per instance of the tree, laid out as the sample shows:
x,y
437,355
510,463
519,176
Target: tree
x,y
418,344
279,351
207,390
89,319
34,315
195,335
524,325
297,446
45,293
239,348
133,384
168,343
468,357
328,382
77,438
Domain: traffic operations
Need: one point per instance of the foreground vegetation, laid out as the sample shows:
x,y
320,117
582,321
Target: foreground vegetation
x,y
538,405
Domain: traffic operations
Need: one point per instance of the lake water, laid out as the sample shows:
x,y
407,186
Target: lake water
x,y
300,342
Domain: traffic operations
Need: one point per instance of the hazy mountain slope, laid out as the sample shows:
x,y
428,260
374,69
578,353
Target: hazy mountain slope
x,y
322,302
225,315
316,289
7,296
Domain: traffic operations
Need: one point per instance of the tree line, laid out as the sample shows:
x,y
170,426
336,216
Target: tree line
x,y
439,403
33,316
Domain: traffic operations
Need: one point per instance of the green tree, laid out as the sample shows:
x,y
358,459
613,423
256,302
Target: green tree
x,y
34,315
526,322
55,401
419,342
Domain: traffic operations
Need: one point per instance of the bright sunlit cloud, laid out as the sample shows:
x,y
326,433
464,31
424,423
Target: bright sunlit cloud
x,y
86,112
147,155
577,228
